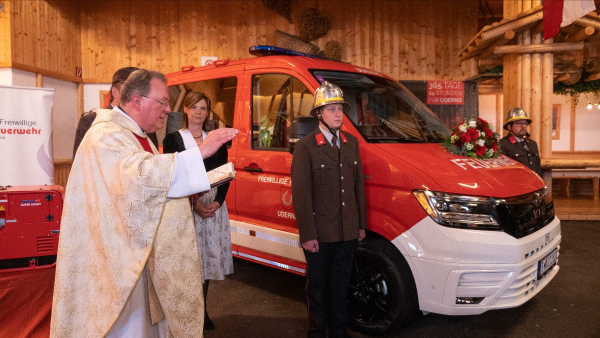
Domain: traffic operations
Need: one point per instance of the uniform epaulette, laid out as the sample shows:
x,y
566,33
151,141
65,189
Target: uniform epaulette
x,y
512,139
320,139
342,137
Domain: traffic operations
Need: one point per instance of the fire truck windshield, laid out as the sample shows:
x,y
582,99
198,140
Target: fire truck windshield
x,y
385,111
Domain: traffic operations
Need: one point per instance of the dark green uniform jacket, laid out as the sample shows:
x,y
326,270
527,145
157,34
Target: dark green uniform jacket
x,y
518,151
328,193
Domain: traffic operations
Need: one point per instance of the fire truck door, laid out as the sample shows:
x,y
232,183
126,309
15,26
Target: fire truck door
x,y
266,220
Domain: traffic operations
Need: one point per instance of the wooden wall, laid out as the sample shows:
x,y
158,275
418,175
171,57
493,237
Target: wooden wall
x,y
403,38
5,48
45,37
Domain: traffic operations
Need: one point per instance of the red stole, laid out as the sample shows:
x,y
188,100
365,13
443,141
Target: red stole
x,y
145,144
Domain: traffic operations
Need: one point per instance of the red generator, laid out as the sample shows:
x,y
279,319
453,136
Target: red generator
x,y
29,229
29,225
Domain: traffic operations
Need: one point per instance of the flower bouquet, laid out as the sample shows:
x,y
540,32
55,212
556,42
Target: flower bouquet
x,y
473,138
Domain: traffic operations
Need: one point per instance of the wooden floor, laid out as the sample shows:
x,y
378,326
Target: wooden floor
x,y
577,209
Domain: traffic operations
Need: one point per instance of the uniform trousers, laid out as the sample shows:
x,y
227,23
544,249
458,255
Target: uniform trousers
x,y
327,277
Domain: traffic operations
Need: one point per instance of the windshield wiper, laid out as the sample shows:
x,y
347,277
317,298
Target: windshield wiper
x,y
413,140
399,139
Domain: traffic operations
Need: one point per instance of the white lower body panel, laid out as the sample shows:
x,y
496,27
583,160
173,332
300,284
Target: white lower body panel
x,y
449,263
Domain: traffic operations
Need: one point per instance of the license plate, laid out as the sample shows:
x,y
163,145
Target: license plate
x,y
547,263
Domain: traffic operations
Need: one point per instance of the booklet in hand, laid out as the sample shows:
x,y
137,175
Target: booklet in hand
x,y
221,175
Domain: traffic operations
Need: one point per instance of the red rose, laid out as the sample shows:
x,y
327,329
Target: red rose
x,y
465,137
480,150
472,133
494,147
489,132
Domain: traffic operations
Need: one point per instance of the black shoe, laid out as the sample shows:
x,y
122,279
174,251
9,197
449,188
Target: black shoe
x,y
208,324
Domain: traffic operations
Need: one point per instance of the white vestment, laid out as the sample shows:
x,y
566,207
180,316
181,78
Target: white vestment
x,y
127,248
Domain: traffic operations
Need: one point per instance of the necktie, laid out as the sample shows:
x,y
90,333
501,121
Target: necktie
x,y
335,146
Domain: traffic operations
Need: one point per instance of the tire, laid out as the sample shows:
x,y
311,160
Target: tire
x,y
382,297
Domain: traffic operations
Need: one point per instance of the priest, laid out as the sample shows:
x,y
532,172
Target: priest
x,y
128,263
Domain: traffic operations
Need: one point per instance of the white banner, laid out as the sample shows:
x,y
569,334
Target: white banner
x,y
26,136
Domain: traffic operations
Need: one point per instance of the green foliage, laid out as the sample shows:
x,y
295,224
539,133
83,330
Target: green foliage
x,y
581,86
577,89
495,70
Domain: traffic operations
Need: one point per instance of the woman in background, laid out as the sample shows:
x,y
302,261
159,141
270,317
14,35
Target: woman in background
x,y
210,212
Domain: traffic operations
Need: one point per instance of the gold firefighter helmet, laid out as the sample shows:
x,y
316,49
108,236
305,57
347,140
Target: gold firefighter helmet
x,y
328,93
516,114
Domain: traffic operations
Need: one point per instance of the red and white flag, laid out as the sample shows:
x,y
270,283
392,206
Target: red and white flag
x,y
560,13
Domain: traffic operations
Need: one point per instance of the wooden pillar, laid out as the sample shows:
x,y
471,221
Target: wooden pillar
x,y
526,66
536,88
528,82
526,85
79,100
545,140
545,143
512,63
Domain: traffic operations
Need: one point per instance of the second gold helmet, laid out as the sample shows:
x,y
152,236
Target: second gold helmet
x,y
516,114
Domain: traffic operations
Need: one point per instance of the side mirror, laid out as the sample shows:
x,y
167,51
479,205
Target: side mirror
x,y
301,126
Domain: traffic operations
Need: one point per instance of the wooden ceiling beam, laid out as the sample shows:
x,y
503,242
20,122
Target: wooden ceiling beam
x,y
561,78
543,48
585,21
581,35
514,25
489,51
564,57
592,77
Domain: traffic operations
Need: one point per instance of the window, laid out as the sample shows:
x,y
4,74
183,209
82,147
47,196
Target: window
x,y
276,100
221,93
384,111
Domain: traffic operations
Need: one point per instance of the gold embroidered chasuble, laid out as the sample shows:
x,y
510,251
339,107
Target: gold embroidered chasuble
x,y
116,220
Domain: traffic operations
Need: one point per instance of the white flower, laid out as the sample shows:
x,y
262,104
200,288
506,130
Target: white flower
x,y
481,143
481,134
463,128
469,146
490,152
453,138
472,123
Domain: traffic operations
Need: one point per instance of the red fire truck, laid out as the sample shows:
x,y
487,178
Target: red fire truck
x,y
446,234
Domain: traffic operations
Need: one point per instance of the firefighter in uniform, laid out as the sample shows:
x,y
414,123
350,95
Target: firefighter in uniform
x,y
329,203
517,144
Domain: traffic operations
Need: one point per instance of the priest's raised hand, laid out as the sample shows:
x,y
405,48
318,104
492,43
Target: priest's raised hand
x,y
215,139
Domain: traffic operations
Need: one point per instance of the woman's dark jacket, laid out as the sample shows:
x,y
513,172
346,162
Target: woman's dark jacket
x,y
174,143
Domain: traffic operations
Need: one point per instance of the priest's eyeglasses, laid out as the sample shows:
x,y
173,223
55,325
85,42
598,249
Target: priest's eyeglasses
x,y
165,104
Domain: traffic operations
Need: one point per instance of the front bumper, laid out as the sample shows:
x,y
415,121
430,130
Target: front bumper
x,y
452,263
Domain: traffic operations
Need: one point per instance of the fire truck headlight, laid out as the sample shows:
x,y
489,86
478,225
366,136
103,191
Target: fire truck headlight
x,y
470,212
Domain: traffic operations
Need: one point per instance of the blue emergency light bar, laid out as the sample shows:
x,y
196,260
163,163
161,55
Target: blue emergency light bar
x,y
263,50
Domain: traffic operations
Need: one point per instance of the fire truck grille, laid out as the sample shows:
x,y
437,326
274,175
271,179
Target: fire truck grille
x,y
45,244
522,286
523,215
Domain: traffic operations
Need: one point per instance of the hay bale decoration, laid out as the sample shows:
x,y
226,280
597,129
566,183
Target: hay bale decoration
x,y
312,25
333,50
281,7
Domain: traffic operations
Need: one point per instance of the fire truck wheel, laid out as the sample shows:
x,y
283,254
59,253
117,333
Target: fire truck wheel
x,y
382,296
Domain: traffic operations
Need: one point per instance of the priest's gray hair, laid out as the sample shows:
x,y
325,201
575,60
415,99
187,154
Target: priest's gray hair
x,y
139,83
